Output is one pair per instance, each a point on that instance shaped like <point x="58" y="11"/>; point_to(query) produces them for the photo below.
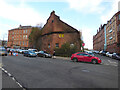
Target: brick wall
<point x="58" y="32"/>
<point x="19" y="37"/>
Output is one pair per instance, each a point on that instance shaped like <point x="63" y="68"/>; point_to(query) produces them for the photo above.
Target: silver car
<point x="3" y="51"/>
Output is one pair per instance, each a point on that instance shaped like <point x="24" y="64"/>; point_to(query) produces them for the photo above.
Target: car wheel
<point x="94" y="61"/>
<point x="75" y="60"/>
<point x="44" y="56"/>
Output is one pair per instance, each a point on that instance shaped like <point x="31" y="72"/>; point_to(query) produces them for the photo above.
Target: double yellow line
<point x="1" y="65"/>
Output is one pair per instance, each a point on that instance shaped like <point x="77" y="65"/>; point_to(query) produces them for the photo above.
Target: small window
<point x="59" y="35"/>
<point x="23" y="42"/>
<point x="119" y="28"/>
<point x="48" y="45"/>
<point x="26" y="36"/>
<point x="110" y="38"/>
<point x="62" y="35"/>
<point x="24" y="31"/>
<point x="110" y="31"/>
<point x="119" y="16"/>
<point x="57" y="45"/>
<point x="52" y="21"/>
<point x="110" y="21"/>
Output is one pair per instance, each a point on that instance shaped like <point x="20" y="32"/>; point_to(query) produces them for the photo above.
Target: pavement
<point x="5" y="80"/>
<point x="64" y="58"/>
<point x="61" y="72"/>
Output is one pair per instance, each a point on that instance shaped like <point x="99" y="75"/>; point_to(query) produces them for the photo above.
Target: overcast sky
<point x="84" y="15"/>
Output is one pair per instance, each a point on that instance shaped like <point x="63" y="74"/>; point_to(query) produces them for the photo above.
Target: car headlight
<point x="47" y="54"/>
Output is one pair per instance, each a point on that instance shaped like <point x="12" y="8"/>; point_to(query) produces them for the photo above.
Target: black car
<point x="103" y="53"/>
<point x="29" y="54"/>
<point x="116" y="56"/>
<point x="44" y="54"/>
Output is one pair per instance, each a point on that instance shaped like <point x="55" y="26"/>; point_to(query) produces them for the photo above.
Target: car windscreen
<point x="118" y="54"/>
<point x="2" y="49"/>
<point x="31" y="52"/>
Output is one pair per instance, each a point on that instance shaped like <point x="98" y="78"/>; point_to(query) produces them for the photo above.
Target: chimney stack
<point x="53" y="12"/>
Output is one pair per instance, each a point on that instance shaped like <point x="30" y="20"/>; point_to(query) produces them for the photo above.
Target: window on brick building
<point x="119" y="17"/>
<point x="48" y="45"/>
<point x="26" y="36"/>
<point x="23" y="42"/>
<point x="57" y="45"/>
<point x="119" y="27"/>
<point x="110" y="38"/>
<point x="52" y="21"/>
<point x="113" y="26"/>
<point x="24" y="31"/>
<point x="110" y="21"/>
<point x="110" y="30"/>
<point x="113" y="33"/>
<point x="61" y="35"/>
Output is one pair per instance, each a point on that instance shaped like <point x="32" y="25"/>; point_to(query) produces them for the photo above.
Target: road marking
<point x="111" y="62"/>
<point x="1" y="65"/>
<point x="84" y="70"/>
<point x="13" y="78"/>
<point x="107" y="64"/>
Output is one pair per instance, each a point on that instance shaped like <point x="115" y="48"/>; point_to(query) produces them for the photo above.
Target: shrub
<point x="66" y="50"/>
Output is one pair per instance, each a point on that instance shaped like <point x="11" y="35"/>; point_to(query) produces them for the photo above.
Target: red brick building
<point x="112" y="36"/>
<point x="113" y="29"/>
<point x="57" y="32"/>
<point x="19" y="37"/>
<point x="99" y="39"/>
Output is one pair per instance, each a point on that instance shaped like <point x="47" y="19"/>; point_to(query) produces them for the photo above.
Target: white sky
<point x="24" y="14"/>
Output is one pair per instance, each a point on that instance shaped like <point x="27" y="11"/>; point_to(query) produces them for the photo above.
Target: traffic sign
<point x="83" y="44"/>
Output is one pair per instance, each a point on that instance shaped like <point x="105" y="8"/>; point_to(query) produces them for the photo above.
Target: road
<point x="58" y="73"/>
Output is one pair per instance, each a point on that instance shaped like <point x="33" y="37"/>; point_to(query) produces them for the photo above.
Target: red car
<point x="81" y="56"/>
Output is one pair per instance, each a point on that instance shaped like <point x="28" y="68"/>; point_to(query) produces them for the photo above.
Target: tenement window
<point x="119" y="28"/>
<point x="119" y="16"/>
<point x="57" y="45"/>
<point x="48" y="45"/>
<point x="52" y="21"/>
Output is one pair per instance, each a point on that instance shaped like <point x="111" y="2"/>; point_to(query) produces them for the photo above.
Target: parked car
<point x="3" y="51"/>
<point x="100" y="52"/>
<point x="29" y="54"/>
<point x="85" y="57"/>
<point x="35" y="50"/>
<point x="103" y="53"/>
<point x="116" y="56"/>
<point x="97" y="52"/>
<point x="109" y="54"/>
<point x="44" y="54"/>
<point x="12" y="50"/>
<point x="90" y="52"/>
<point x="23" y="51"/>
